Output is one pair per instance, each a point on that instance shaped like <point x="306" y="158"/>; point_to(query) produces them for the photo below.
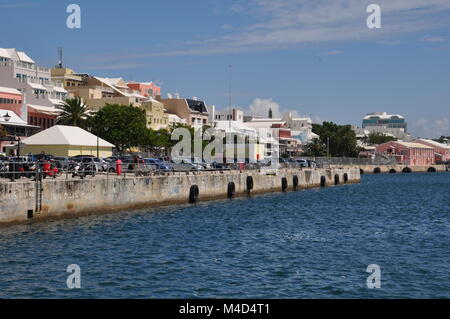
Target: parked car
<point x="157" y="163"/>
<point x="303" y="162"/>
<point x="100" y="166"/>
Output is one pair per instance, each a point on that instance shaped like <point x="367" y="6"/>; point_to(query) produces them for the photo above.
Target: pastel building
<point x="61" y="140"/>
<point x="155" y="113"/>
<point x="194" y="111"/>
<point x="12" y="129"/>
<point x="408" y="153"/>
<point x="11" y="99"/>
<point x="147" y="89"/>
<point x="441" y="151"/>
<point x="40" y="94"/>
<point x="96" y="92"/>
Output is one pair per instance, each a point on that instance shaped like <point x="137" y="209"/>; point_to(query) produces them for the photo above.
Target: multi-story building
<point x="13" y="129"/>
<point x="155" y="113"/>
<point x="193" y="111"/>
<point x="389" y="124"/>
<point x="40" y="94"/>
<point x="232" y="114"/>
<point x="96" y="92"/>
<point x="66" y="77"/>
<point x="11" y="99"/>
<point x="441" y="151"/>
<point x="408" y="153"/>
<point x="147" y="89"/>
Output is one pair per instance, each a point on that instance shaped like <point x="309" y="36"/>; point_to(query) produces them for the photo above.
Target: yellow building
<point x="60" y="140"/>
<point x="157" y="118"/>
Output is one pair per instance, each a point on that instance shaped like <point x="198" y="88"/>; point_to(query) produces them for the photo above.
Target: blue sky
<point x="315" y="58"/>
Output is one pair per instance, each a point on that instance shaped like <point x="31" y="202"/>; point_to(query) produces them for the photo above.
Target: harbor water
<point x="313" y="243"/>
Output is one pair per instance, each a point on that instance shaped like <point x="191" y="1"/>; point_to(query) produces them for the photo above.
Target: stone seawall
<point x="75" y="197"/>
<point x="392" y="169"/>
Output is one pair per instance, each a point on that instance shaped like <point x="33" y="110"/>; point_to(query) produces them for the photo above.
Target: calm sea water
<point x="306" y="244"/>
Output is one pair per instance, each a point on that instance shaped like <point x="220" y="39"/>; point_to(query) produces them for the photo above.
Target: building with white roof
<point x="407" y="153"/>
<point x="383" y="123"/>
<point x="97" y="91"/>
<point x="18" y="71"/>
<point x="12" y="129"/>
<point x="441" y="150"/>
<point x="60" y="140"/>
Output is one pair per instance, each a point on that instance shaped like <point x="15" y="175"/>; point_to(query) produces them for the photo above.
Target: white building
<point x="40" y="94"/>
<point x="228" y="114"/>
<point x="383" y="123"/>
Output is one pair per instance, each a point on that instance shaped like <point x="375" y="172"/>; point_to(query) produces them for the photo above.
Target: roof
<point x="14" y="117"/>
<point x="24" y="57"/>
<point x="413" y="145"/>
<point x="382" y="115"/>
<point x="37" y="86"/>
<point x="434" y="143"/>
<point x="4" y="53"/>
<point x="65" y="135"/>
<point x="197" y="105"/>
<point x="45" y="109"/>
<point x="9" y="90"/>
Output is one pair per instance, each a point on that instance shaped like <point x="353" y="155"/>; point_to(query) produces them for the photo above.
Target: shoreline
<point x="74" y="198"/>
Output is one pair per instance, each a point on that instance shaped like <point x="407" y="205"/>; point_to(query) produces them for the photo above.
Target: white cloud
<point x="427" y="128"/>
<point x="284" y="24"/>
<point x="261" y="107"/>
<point x="433" y="39"/>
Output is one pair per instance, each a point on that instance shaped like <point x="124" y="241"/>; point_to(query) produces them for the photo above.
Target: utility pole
<point x="328" y="147"/>
<point x="229" y="102"/>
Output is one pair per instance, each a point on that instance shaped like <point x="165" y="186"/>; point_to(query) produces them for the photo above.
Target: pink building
<point x="408" y="153"/>
<point x="441" y="151"/>
<point x="147" y="89"/>
<point x="11" y="99"/>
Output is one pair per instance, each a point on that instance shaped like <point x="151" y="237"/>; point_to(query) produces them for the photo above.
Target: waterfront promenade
<point x="25" y="200"/>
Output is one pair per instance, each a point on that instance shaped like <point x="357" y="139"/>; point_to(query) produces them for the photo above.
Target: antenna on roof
<point x="60" y="57"/>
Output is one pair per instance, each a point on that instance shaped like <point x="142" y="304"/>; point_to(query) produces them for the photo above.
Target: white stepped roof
<point x="14" y="117"/>
<point x="24" y="57"/>
<point x="65" y="135"/>
<point x="434" y="143"/>
<point x="4" y="53"/>
<point x="9" y="90"/>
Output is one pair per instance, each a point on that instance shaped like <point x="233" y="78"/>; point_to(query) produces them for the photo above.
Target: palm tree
<point x="74" y="113"/>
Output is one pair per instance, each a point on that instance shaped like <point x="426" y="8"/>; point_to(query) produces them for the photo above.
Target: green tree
<point x="74" y="113"/>
<point x="340" y="138"/>
<point x="315" y="149"/>
<point x="123" y="126"/>
<point x="379" y="138"/>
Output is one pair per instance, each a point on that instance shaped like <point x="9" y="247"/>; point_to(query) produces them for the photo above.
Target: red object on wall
<point x="119" y="167"/>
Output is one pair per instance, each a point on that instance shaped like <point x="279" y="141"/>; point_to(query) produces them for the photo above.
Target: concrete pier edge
<point x="76" y="197"/>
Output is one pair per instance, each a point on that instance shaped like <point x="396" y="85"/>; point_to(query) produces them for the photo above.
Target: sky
<point x="311" y="57"/>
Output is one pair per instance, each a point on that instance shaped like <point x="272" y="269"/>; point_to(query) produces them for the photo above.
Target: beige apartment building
<point x="96" y="91"/>
<point x="193" y="111"/>
<point x="155" y="113"/>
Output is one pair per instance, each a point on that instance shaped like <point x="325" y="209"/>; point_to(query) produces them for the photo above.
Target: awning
<point x="59" y="89"/>
<point x="10" y="90"/>
<point x="56" y="102"/>
<point x="37" y="86"/>
<point x="45" y="109"/>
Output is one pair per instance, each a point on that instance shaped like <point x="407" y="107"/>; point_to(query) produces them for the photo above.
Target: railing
<point x="35" y="171"/>
<point x="327" y="161"/>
